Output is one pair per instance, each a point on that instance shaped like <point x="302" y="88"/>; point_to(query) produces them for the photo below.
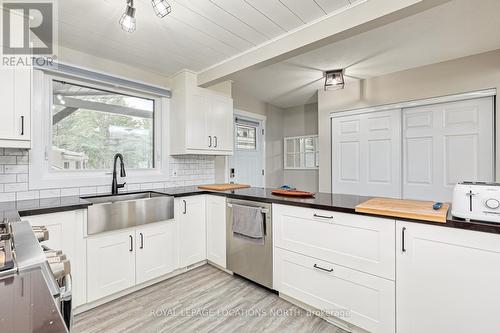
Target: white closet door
<point x="444" y="144"/>
<point x="366" y="154"/>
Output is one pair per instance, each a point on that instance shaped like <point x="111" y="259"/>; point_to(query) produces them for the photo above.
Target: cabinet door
<point x="216" y="230"/>
<point x="447" y="280"/>
<point x="190" y="214"/>
<point x="66" y="233"/>
<point x="155" y="250"/>
<point x="110" y="263"/>
<point x="220" y="123"/>
<point x="198" y="108"/>
<point x="15" y="93"/>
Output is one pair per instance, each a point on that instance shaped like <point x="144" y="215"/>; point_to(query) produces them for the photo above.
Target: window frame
<point x="42" y="176"/>
<point x="256" y="128"/>
<point x="299" y="152"/>
<point x="121" y="92"/>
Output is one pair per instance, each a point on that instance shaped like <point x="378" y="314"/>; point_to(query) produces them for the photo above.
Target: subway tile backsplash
<point x="14" y="180"/>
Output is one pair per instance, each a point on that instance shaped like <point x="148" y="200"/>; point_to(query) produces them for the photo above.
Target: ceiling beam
<point x="363" y="16"/>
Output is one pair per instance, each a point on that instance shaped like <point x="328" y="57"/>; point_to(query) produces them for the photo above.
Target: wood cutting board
<point x="223" y="187"/>
<point x="412" y="209"/>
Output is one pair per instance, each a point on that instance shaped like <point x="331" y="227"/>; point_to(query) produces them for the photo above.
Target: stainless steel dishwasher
<point x="246" y="258"/>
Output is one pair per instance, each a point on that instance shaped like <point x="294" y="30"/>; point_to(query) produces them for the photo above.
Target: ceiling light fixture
<point x="127" y="21"/>
<point x="334" y="80"/>
<point x="162" y="7"/>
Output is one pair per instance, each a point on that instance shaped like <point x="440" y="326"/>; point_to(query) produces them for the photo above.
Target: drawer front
<point x="359" y="242"/>
<point x="360" y="299"/>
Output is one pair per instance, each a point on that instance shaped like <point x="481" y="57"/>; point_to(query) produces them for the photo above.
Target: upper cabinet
<point x="201" y="120"/>
<point x="15" y="94"/>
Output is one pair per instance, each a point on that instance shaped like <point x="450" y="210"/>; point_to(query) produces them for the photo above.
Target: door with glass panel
<point x="246" y="166"/>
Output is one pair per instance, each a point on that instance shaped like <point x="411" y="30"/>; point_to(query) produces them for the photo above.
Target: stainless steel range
<point x="21" y="252"/>
<point x="6" y="256"/>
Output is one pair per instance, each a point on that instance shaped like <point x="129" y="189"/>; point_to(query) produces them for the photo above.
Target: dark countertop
<point x="325" y="201"/>
<point x="27" y="305"/>
<point x="344" y="203"/>
<point x="42" y="206"/>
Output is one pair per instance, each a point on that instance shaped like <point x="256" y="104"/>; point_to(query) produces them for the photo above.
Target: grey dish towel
<point x="248" y="223"/>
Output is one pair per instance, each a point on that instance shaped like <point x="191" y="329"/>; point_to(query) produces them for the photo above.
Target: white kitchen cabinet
<point x="447" y="280"/>
<point x="155" y="250"/>
<point x="201" y="120"/>
<point x="15" y="118"/>
<point x="110" y="263"/>
<point x="366" y="150"/>
<point x="66" y="233"/>
<point x="216" y="230"/>
<point x="190" y="214"/>
<point x="359" y="242"/>
<point x="119" y="260"/>
<point x="357" y="298"/>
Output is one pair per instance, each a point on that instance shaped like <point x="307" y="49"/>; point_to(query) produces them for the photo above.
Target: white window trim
<point x="285" y="153"/>
<point x="40" y="174"/>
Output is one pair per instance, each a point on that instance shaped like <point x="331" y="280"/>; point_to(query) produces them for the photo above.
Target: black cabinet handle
<point x="185" y="207"/>
<point x="22" y="125"/>
<point x="131" y="243"/>
<point x="323" y="217"/>
<point x="403" y="233"/>
<point x="142" y="240"/>
<point x="323" y="269"/>
<point x="209" y="141"/>
<point x="216" y="142"/>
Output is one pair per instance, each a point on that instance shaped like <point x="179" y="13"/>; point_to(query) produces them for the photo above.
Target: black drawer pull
<point x="323" y="216"/>
<point x="323" y="269"/>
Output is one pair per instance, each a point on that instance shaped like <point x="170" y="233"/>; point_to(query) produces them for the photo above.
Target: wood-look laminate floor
<point x="202" y="300"/>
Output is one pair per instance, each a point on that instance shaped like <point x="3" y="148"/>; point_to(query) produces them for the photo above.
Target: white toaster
<point x="477" y="201"/>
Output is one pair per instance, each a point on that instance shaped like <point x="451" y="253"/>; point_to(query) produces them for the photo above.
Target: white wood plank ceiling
<point x="196" y="35"/>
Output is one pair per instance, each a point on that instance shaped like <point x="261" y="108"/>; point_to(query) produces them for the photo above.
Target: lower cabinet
<point x="110" y="263"/>
<point x="216" y="230"/>
<point x="447" y="280"/>
<point x="190" y="215"/>
<point x="155" y="251"/>
<point x="120" y="260"/>
<point x="66" y="233"/>
<point x="357" y="298"/>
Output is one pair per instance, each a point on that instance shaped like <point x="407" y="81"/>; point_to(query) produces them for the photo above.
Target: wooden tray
<point x="294" y="193"/>
<point x="411" y="209"/>
<point x="223" y="187"/>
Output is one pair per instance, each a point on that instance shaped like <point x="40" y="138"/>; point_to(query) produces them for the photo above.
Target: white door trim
<point x="418" y="102"/>
<point x="259" y="118"/>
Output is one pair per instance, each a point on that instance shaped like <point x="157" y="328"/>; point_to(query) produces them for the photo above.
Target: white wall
<point x="451" y="77"/>
<point x="298" y="121"/>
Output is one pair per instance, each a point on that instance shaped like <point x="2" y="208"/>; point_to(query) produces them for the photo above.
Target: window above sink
<point x="85" y="123"/>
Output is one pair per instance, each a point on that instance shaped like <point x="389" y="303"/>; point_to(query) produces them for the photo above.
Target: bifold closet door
<point x="444" y="144"/>
<point x="366" y="154"/>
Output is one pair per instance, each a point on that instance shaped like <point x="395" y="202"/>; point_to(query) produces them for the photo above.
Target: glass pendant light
<point x="127" y="21"/>
<point x="162" y="7"/>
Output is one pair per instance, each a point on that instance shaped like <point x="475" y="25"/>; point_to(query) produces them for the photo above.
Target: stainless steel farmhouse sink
<point x="115" y="212"/>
